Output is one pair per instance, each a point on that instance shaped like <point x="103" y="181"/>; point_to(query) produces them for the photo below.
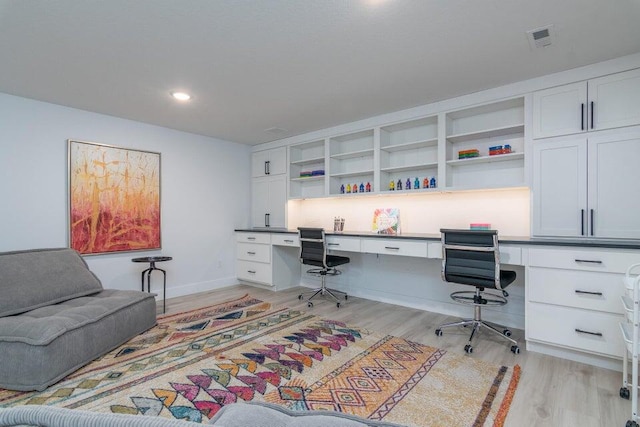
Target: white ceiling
<point x="299" y="65"/>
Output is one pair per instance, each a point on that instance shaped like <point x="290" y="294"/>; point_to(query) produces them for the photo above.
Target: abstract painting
<point x="114" y="198"/>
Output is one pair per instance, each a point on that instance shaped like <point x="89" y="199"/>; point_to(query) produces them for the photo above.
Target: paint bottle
<point x="432" y="182"/>
<point x="348" y="188"/>
<point x="392" y="186"/>
<point x="362" y="187"/>
<point x="342" y="189"/>
<point x="407" y="185"/>
<point x="368" y="188"/>
<point x="354" y="188"/>
<point x="399" y="185"/>
<point x="425" y="183"/>
<point x="416" y="183"/>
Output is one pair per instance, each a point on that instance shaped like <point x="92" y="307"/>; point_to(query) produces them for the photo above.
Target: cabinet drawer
<point x="339" y="243"/>
<point x="562" y="326"/>
<point x="254" y="237"/>
<point x="583" y="259"/>
<point x="395" y="247"/>
<point x="285" y="240"/>
<point x="508" y="254"/>
<point x="253" y="252"/>
<point x="579" y="289"/>
<point x="254" y="272"/>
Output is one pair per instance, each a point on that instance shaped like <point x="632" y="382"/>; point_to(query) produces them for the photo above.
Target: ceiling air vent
<point x="541" y="37"/>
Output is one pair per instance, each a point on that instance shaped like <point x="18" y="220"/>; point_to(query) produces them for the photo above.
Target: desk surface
<point x="516" y="240"/>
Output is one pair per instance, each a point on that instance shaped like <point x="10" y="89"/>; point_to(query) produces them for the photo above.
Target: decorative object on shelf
<point x="432" y="182"/>
<point x="468" y="154"/>
<point x="399" y="185"/>
<point x="305" y="174"/>
<point x="114" y="198"/>
<point x="479" y="226"/>
<point x="362" y="187"/>
<point x="368" y="188"/>
<point x="425" y="182"/>
<point x="319" y="172"/>
<point x="416" y="183"/>
<point x="386" y="221"/>
<point x="342" y="189"/>
<point x="338" y="224"/>
<point x="348" y="188"/>
<point x="499" y="149"/>
<point x="392" y="185"/>
<point x="407" y="185"/>
<point x="354" y="189"/>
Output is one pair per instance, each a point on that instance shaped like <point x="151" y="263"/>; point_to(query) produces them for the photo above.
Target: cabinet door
<point x="277" y="161"/>
<point x="614" y="186"/>
<point x="560" y="188"/>
<point x="259" y="163"/>
<point x="615" y="100"/>
<point x="277" y="203"/>
<point x="560" y="110"/>
<point x="259" y="201"/>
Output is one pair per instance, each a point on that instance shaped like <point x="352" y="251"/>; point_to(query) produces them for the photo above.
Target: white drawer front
<point x="254" y="272"/>
<point x="580" y="289"/>
<point x="254" y="237"/>
<point x="285" y="240"/>
<point x="253" y="252"/>
<point x="584" y="259"/>
<point x="395" y="247"/>
<point x="575" y="328"/>
<point x="340" y="243"/>
<point x="508" y="254"/>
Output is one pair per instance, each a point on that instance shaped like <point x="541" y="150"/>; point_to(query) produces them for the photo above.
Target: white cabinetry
<point x="269" y="162"/>
<point x="573" y="298"/>
<point x="587" y="186"/>
<point x="603" y="103"/>
<point x="480" y="128"/>
<point x="269" y="203"/>
<point x="268" y="259"/>
<point x="305" y="159"/>
<point x="351" y="161"/>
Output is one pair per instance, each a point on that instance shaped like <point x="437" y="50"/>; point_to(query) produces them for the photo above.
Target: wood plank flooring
<point x="552" y="391"/>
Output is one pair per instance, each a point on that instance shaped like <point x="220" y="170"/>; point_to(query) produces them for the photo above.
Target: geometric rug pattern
<point x="192" y="364"/>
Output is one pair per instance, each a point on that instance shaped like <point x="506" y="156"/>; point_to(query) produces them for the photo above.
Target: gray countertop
<point x="521" y="240"/>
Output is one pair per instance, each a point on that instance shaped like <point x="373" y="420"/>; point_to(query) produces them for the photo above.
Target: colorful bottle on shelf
<point x="407" y="185"/>
<point x="399" y="185"/>
<point x="425" y="182"/>
<point x="348" y="188"/>
<point x="342" y="189"/>
<point x="432" y="182"/>
<point x="416" y="183"/>
<point x="392" y="186"/>
<point x="362" y="187"/>
<point x="368" y="188"/>
<point x="354" y="189"/>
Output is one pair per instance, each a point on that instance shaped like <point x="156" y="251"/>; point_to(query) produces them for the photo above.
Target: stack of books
<point x="467" y="154"/>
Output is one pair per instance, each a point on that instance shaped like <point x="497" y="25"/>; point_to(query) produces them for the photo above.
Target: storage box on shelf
<point x="482" y="127"/>
<point x="602" y="103"/>
<point x="409" y="150"/>
<point x="307" y="170"/>
<point x="351" y="160"/>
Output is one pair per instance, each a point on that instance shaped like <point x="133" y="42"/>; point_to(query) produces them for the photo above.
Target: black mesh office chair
<point x="313" y="251"/>
<point x="472" y="257"/>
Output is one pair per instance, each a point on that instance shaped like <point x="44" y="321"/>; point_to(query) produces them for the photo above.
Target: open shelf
<point x="354" y="173"/>
<point x="411" y="145"/>
<point x="486" y="159"/>
<point x="410" y="167"/>
<point x="353" y="154"/>
<point x="308" y="178"/>
<point x="308" y="161"/>
<point x="487" y="133"/>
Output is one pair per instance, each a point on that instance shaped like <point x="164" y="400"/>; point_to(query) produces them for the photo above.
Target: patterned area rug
<point x="193" y="363"/>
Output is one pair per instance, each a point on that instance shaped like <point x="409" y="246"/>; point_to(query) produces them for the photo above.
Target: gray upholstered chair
<point x="472" y="257"/>
<point x="313" y="251"/>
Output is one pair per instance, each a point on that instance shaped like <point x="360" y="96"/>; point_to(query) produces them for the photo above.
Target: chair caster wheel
<point x="300" y="297"/>
<point x="346" y="296"/>
<point x="438" y="332"/>
<point x="338" y="304"/>
<point x="624" y="393"/>
<point x="515" y="349"/>
<point x="309" y="304"/>
<point x="468" y="349"/>
<point x="631" y="423"/>
<point x="506" y="333"/>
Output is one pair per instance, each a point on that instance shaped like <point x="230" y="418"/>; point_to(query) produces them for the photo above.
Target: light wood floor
<point x="552" y="391"/>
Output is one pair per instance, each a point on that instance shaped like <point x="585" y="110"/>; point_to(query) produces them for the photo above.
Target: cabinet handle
<point x="266" y="220"/>
<point x="251" y="271"/>
<point x="580" y="331"/>
<point x="582" y="116"/>
<point x="251" y="238"/>
<point x="582" y="221"/>
<point x="392" y="247"/>
<point x="592" y="215"/>
<point x="267" y="167"/>
<point x="253" y="253"/>
<point x="592" y="108"/>
<point x="333" y="244"/>
<point x="578" y="291"/>
<point x="590" y="261"/>
<point x="288" y="241"/>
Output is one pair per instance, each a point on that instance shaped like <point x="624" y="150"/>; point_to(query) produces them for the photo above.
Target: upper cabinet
<point x="269" y="162"/>
<point x="484" y="146"/>
<point x="603" y="103"/>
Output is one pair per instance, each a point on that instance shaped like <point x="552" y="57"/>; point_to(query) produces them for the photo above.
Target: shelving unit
<point x="309" y="156"/>
<point x="481" y="127"/>
<point x="351" y="160"/>
<point x="409" y="150"/>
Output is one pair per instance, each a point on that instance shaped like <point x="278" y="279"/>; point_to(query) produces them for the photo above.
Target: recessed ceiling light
<point x="181" y="96"/>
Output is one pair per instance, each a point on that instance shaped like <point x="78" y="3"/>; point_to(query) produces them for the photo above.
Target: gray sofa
<point x="55" y="317"/>
<point x="234" y="415"/>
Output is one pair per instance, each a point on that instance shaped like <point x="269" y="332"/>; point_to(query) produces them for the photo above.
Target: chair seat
<point x="506" y="278"/>
<point x="332" y="261"/>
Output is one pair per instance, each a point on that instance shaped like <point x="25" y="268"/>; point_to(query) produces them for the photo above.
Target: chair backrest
<point x="313" y="250"/>
<point x="471" y="257"/>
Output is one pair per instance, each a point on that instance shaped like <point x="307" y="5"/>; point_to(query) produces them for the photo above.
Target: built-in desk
<point x="566" y="296"/>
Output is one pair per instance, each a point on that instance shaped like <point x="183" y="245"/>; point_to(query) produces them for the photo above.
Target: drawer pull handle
<point x="251" y="272"/>
<point x="590" y="261"/>
<point x="578" y="291"/>
<point x="251" y="238"/>
<point x="253" y="253"/>
<point x="333" y="244"/>
<point x="580" y="331"/>
<point x="288" y="241"/>
<point x="392" y="247"/>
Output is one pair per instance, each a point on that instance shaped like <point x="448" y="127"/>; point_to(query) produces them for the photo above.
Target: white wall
<point x="205" y="192"/>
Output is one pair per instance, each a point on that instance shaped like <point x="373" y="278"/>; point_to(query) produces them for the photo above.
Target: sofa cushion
<point x="36" y="278"/>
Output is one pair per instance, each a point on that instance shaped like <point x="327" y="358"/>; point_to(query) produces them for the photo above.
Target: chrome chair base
<point x="323" y="290"/>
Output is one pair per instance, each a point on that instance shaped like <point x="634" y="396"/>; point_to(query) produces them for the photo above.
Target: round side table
<point x="152" y="266"/>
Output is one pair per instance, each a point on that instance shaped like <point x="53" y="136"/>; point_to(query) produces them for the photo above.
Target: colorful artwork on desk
<point x="114" y="198"/>
<point x="386" y="221"/>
